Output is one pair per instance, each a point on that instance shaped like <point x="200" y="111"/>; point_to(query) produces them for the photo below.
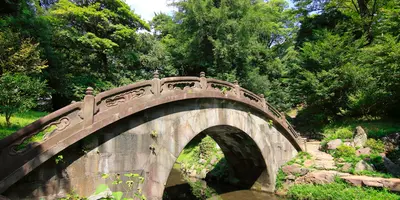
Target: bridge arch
<point x="178" y="114"/>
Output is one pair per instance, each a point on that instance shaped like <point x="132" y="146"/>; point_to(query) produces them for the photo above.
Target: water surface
<point x="178" y="187"/>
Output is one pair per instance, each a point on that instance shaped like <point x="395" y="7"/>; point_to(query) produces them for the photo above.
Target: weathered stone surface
<point x="214" y="159"/>
<point x="362" y="165"/>
<point x="101" y="195"/>
<point x="346" y="167"/>
<point x="294" y="169"/>
<point x="322" y="160"/>
<point x="393" y="138"/>
<point x="392" y="184"/>
<point x="363" y="151"/>
<point x="334" y="144"/>
<point x="350" y="144"/>
<point x="290" y="177"/>
<point x="320" y="177"/>
<point x="391" y="167"/>
<point x="359" y="137"/>
<point x="124" y="147"/>
<point x="203" y="173"/>
<point x="308" y="163"/>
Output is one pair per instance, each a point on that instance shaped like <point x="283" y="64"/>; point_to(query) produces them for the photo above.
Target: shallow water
<point x="178" y="187"/>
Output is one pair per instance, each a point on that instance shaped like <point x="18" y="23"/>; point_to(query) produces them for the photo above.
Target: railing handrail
<point x="41" y="123"/>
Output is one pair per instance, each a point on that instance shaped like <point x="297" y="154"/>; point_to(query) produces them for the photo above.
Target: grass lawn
<point x="338" y="191"/>
<point x="18" y="121"/>
<point x="374" y="128"/>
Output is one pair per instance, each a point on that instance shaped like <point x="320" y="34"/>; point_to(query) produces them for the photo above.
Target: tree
<point x="231" y="40"/>
<point x="20" y="65"/>
<point x="94" y="43"/>
<point x="19" y="55"/>
<point x="19" y="93"/>
<point x="347" y="51"/>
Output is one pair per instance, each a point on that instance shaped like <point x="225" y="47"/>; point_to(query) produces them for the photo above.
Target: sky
<point x="147" y="8"/>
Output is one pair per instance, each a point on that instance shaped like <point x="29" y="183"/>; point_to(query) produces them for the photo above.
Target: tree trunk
<point x="8" y="117"/>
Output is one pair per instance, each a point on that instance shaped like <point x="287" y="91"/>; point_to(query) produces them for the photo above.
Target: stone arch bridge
<point x="113" y="132"/>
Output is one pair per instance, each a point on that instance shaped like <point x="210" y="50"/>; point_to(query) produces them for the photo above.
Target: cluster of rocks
<point x="359" y="140"/>
<point x="205" y="168"/>
<point x="322" y="168"/>
<point x="297" y="174"/>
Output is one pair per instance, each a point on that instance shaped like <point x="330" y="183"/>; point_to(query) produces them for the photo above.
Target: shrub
<point x="344" y="151"/>
<point x="343" y="133"/>
<point x="377" y="146"/>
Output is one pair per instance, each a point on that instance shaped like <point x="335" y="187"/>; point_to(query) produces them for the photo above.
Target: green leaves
<point x="19" y="93"/>
<point x="101" y="188"/>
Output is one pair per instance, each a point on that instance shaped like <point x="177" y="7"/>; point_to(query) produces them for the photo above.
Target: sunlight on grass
<point x="374" y="128"/>
<point x="19" y="121"/>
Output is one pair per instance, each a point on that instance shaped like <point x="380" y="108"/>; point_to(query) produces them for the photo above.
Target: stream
<point x="178" y="187"/>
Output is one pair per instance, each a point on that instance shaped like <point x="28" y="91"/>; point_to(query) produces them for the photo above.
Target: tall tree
<point x="232" y="40"/>
<point x="94" y="44"/>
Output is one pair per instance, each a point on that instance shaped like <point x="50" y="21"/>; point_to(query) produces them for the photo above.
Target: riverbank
<point x="315" y="175"/>
<point x="180" y="186"/>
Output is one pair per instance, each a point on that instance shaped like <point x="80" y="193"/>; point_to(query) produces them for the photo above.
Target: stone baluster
<point x="237" y="88"/>
<point x="203" y="80"/>
<point x="263" y="103"/>
<point x="88" y="107"/>
<point x="156" y="83"/>
<point x="284" y="122"/>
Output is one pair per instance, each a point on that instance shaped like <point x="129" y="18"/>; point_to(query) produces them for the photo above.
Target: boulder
<point x="346" y="167"/>
<point x="290" y="177"/>
<point x="350" y="144"/>
<point x="391" y="141"/>
<point x="320" y="177"/>
<point x="294" y="169"/>
<point x="391" y="167"/>
<point x="392" y="184"/>
<point x="362" y="165"/>
<point x="363" y="151"/>
<point x="359" y="137"/>
<point x="393" y="138"/>
<point x="334" y="144"/>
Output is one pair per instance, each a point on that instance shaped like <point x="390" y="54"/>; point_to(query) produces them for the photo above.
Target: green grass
<point x="373" y="174"/>
<point x="338" y="191"/>
<point x="18" y="121"/>
<point x="374" y="128"/>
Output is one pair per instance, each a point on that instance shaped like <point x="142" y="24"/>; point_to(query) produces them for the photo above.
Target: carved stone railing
<point x="85" y="112"/>
<point x="62" y="119"/>
<point x="94" y="111"/>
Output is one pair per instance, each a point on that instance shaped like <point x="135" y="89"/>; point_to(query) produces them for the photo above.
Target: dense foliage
<point x="336" y="59"/>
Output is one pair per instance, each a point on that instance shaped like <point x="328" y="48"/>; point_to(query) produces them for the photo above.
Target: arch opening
<point x="241" y="168"/>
